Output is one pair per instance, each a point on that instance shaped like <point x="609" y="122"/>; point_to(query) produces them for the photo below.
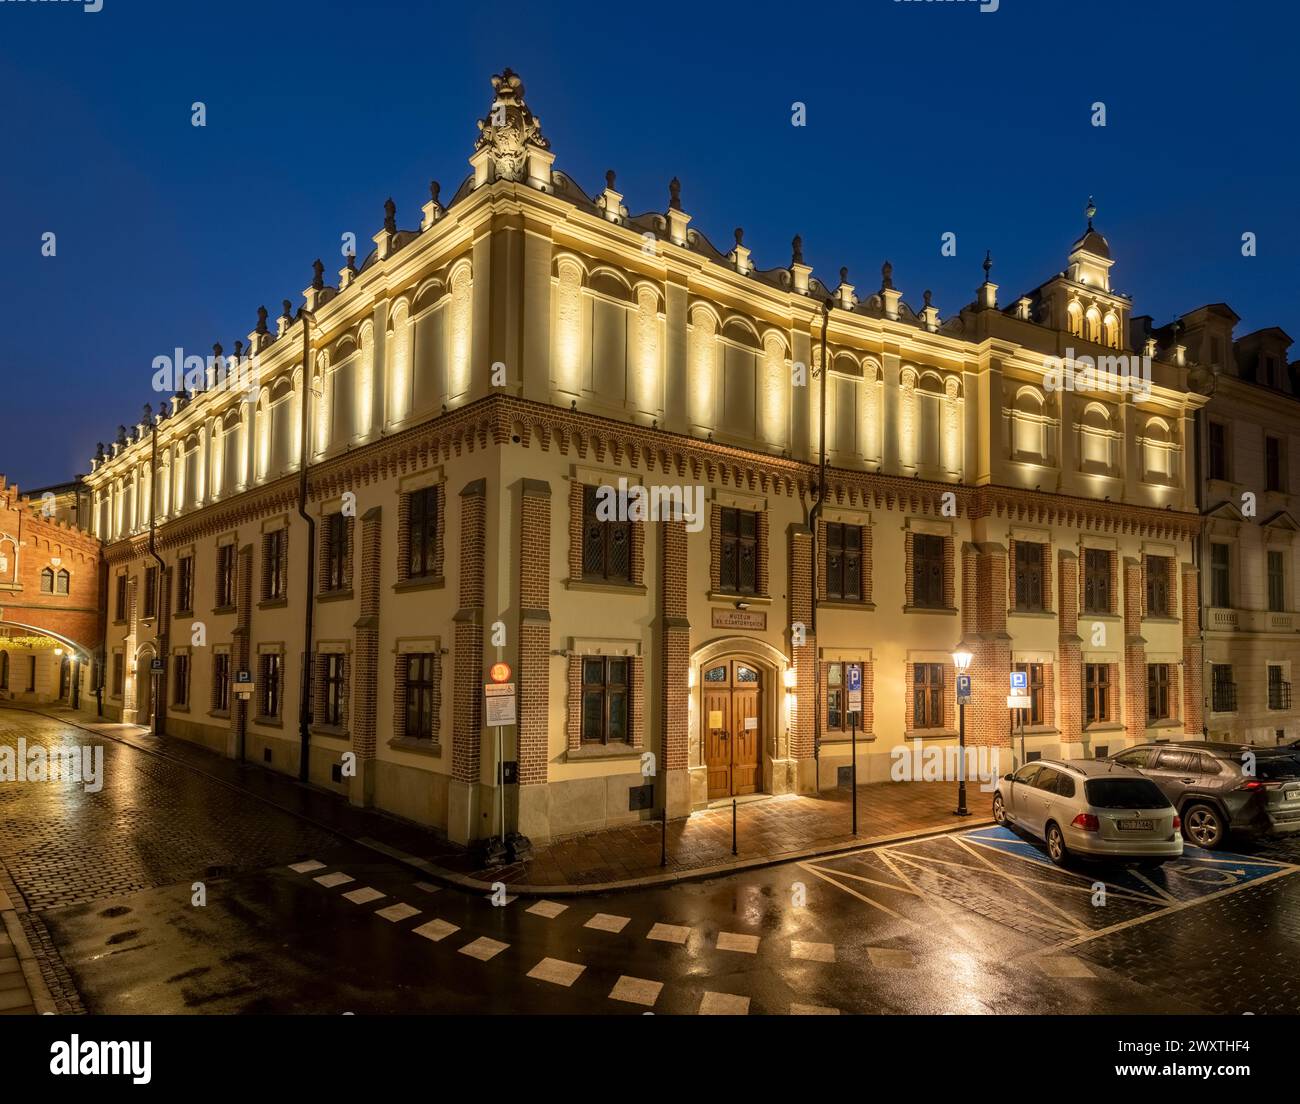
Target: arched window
<point x="62" y="581"/>
<point x="1110" y="326"/>
<point x="1074" y="318"/>
<point x="47" y="580"/>
<point x="1094" y="325"/>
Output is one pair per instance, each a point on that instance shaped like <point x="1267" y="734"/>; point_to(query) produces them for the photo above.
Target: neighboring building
<point x="49" y="604"/>
<point x="1250" y="470"/>
<point x="474" y="383"/>
<point x="66" y="502"/>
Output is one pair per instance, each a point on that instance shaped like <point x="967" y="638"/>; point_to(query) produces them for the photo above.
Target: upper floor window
<point x="1220" y="575"/>
<point x="1096" y="693"/>
<point x="150" y="591"/>
<point x="1096" y="580"/>
<point x="1157" y="692"/>
<point x="844" y="561"/>
<point x="422" y="512"/>
<point x="1218" y="450"/>
<point x="119" y="602"/>
<point x="1029" y="576"/>
<point x="274" y="565"/>
<point x="1273" y="463"/>
<point x="1157" y="572"/>
<point x="928" y="555"/>
<point x="226" y="578"/>
<point x="738" y="563"/>
<point x="1276" y="580"/>
<point x="606" y="544"/>
<point x="62" y="582"/>
<point x="185" y="584"/>
<point x="47" y="580"/>
<point x="605" y="696"/>
<point x="334" y="558"/>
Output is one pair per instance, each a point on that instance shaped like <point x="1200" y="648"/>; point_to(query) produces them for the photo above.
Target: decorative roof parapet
<point x="510" y="144"/>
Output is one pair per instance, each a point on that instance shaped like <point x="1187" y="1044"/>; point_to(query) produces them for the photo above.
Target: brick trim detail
<point x="534" y="632"/>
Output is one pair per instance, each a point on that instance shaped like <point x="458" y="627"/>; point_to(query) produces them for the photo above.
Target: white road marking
<point x="329" y="881"/>
<point x="307" y="867"/>
<point x="669" y="933"/>
<point x="634" y="990"/>
<point x="399" y="911"/>
<point x="557" y="971"/>
<point x="483" y="948"/>
<point x="548" y="909"/>
<point x="738" y="941"/>
<point x="364" y="895"/>
<point x="724" y="1004"/>
<point x="436" y="930"/>
<point x="812" y="952"/>
<point x="603" y="921"/>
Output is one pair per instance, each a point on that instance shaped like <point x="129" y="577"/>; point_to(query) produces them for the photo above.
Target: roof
<point x="1092" y="242"/>
<point x="1092" y="768"/>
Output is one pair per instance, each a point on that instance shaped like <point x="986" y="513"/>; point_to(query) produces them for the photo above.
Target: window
<point x="1036" y="712"/>
<point x="1029" y="576"/>
<point x="185" y="585"/>
<point x="1279" y="692"/>
<point x="844" y="561"/>
<point x="181" y="679"/>
<point x="335" y="689"/>
<point x="1157" y="692"/>
<point x="927" y="570"/>
<point x="927" y="695"/>
<point x="273" y="565"/>
<point x="47" y="580"/>
<point x="1272" y="463"/>
<point x="1218" y="451"/>
<point x="221" y="682"/>
<point x="150" y="591"/>
<point x="31" y="674"/>
<point x="119" y="604"/>
<point x="62" y="582"/>
<point x="1096" y="580"/>
<point x="420" y="722"/>
<point x="269" y="699"/>
<point x="604" y="699"/>
<point x="1137" y="758"/>
<point x="1220" y="576"/>
<point x="4" y="670"/>
<point x="1223" y="691"/>
<point x="335" y="555"/>
<point x="1028" y="774"/>
<point x="739" y="556"/>
<point x="422" y="512"/>
<point x="119" y="674"/>
<point x="1276" y="581"/>
<point x="835" y="697"/>
<point x="1179" y="762"/>
<point x="226" y="576"/>
<point x="1157" y="586"/>
<point x="1096" y="693"/>
<point x="606" y="545"/>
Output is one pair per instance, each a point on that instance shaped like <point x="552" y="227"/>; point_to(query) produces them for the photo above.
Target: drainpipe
<point x="160" y="639"/>
<point x="814" y="515"/>
<point x="304" y="705"/>
<point x="1198" y="430"/>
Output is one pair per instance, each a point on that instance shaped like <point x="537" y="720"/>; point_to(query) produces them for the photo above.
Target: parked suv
<point x="1089" y="807"/>
<point x="1218" y="788"/>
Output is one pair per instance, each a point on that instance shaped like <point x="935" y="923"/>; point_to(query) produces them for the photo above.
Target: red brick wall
<point x="675" y="646"/>
<point x="1135" y="656"/>
<point x="364" y="721"/>
<point x="534" y="630"/>
<point x="802" y="733"/>
<point x="1070" y="655"/>
<point x="1193" y="655"/>
<point x="467" y="697"/>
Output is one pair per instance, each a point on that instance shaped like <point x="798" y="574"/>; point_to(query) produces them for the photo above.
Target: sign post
<point x="499" y="710"/>
<point x="1019" y="699"/>
<point x="854" y="680"/>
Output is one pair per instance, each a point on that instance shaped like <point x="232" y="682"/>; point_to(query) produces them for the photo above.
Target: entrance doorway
<point x="733" y="728"/>
<point x="65" y="668"/>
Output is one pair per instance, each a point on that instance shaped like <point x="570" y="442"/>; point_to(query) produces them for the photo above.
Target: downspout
<point x="814" y="516"/>
<point x="160" y="639"/>
<point x="1198" y="558"/>
<point x="304" y="704"/>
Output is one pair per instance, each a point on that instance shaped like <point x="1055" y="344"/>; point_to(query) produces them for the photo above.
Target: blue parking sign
<point x="855" y="676"/>
<point x="1019" y="680"/>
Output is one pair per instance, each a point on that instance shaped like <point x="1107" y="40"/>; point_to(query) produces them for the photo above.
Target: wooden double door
<point x="733" y="727"/>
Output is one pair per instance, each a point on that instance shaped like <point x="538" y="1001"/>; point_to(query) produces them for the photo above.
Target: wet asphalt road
<point x="976" y="921"/>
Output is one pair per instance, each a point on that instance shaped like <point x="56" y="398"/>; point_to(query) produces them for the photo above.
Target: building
<point x="50" y="626"/>
<point x="67" y="502"/>
<point x="465" y="401"/>
<point x="1250" y="472"/>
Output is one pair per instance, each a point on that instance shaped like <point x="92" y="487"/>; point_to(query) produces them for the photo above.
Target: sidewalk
<point x="769" y="830"/>
<point x="22" y="989"/>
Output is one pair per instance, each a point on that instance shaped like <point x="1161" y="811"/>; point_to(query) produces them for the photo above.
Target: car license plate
<point x="1136" y="825"/>
<point x="1293" y="795"/>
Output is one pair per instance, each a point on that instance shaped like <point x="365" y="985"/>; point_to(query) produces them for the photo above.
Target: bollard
<point x="663" y="837"/>
<point x="733" y="826"/>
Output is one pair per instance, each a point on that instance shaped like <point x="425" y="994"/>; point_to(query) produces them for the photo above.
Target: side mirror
<point x="1008" y="777"/>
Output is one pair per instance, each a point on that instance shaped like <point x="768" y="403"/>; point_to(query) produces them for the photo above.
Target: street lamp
<point x="961" y="660"/>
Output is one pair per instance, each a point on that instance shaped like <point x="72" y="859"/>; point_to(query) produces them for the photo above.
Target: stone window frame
<point x="228" y="541"/>
<point x="755" y="504"/>
<point x="265" y="652"/>
<point x="1043" y="538"/>
<point x="270" y="529"/>
<point x="580" y="479"/>
<point x="589" y="648"/>
<point x="404" y="647"/>
<point x="214" y="694"/>
<point x="324" y="584"/>
<point x="1114" y="596"/>
<point x="926" y="527"/>
<point x="121" y="598"/>
<point x="319" y="687"/>
<point x="842" y="657"/>
<point x="1170" y="690"/>
<point x="185" y="555"/>
<point x="1171" y="604"/>
<point x="1047" y="687"/>
<point x="117" y="674"/>
<point x="149" y="585"/>
<point x="863" y="520"/>
<point x="948" y="725"/>
<point x="177" y="683"/>
<point x="436" y="478"/>
<point x="1113" y="704"/>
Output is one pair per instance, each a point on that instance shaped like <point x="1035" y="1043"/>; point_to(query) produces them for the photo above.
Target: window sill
<point x="183" y="613"/>
<point x="1099" y="613"/>
<point x="335" y="595"/>
<point x="845" y="604"/>
<point x="219" y="714"/>
<point x="1161" y="619"/>
<point x="218" y="610"/>
<point x="269" y="722"/>
<point x="1038" y="730"/>
<point x="1044" y="615"/>
<point x="273" y="603"/>
<point x="178" y="708"/>
<point x="421" y="582"/>
<point x="1166" y="723"/>
<point x="1104" y="726"/>
<point x="602" y="751"/>
<point x="946" y="611"/>
<point x="846" y="737"/>
<point x="421" y="747"/>
<point x="600" y="586"/>
<point x="931" y="734"/>
<point x="331" y="732"/>
<point x="732" y="599"/>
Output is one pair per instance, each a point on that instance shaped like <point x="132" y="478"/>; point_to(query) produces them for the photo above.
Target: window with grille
<point x="927" y="570"/>
<point x="1218" y="451"/>
<point x="150" y="591"/>
<point x="739" y="551"/>
<point x="606" y="545"/>
<point x="1272" y="464"/>
<point x="62" y="582"/>
<point x="605" y="699"/>
<point x="1096" y="580"/>
<point x="1220" y="576"/>
<point x="835" y="697"/>
<point x="1279" y="691"/>
<point x="47" y="580"/>
<point x="335" y="553"/>
<point x="927" y="695"/>
<point x="1036" y="714"/>
<point x="1096" y="693"/>
<point x="1157" y="692"/>
<point x="181" y="679"/>
<point x="420" y="723"/>
<point x="1029" y="576"/>
<point x="120" y="599"/>
<point x="1223" y="691"/>
<point x="422" y="511"/>
<point x="844" y="561"/>
<point x="1276" y="581"/>
<point x="273" y="565"/>
<point x="221" y="682"/>
<point x="269" y="691"/>
<point x="185" y="584"/>
<point x="1158" y="590"/>
<point x="335" y="689"/>
<point x="225" y="576"/>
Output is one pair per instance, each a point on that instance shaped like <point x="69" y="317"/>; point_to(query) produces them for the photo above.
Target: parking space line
<point x="854" y="893"/>
<point x="1072" y="921"/>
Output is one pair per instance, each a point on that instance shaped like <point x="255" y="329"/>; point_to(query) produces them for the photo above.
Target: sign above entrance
<point x="739" y="619"/>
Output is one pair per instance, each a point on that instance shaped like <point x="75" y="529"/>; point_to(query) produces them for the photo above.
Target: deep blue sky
<point x="922" y="118"/>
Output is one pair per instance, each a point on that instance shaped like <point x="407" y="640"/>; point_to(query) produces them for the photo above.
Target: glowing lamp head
<point x="499" y="672"/>
<point x="961" y="659"/>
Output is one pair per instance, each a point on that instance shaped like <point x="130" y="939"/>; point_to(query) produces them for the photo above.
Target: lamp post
<point x="961" y="660"/>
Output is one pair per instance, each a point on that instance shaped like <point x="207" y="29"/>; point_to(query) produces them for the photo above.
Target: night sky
<point x="922" y="118"/>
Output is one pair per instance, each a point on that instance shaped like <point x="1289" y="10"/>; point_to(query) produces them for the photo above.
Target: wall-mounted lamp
<point x="791" y="678"/>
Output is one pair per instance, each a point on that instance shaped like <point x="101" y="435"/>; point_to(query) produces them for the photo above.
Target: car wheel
<point x="999" y="810"/>
<point x="1056" y="849"/>
<point x="1203" y="826"/>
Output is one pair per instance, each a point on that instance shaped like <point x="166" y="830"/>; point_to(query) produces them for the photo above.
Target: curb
<point x="42" y="999"/>
<point x="464" y="881"/>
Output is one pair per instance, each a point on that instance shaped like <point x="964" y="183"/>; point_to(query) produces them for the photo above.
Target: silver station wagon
<point x="1090" y="808"/>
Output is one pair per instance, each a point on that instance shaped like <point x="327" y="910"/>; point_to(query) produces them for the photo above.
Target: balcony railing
<point x="1223" y="698"/>
<point x="1279" y="695"/>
